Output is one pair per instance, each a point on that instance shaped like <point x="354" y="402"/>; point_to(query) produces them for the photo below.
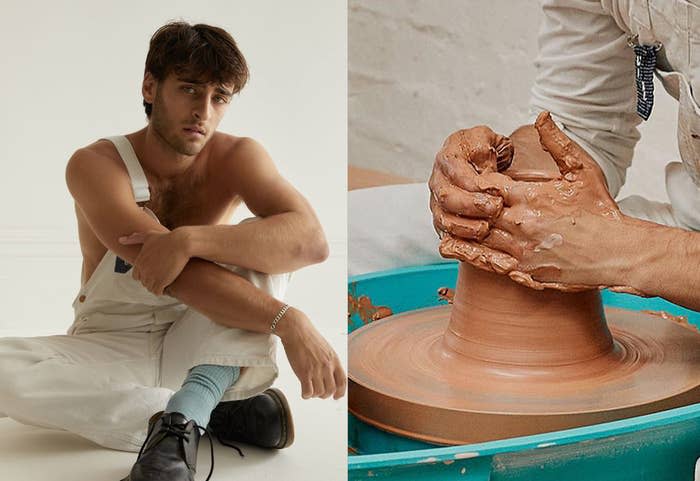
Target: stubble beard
<point x="163" y="129"/>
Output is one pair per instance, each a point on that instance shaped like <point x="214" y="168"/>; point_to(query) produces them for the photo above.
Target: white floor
<point x="36" y="293"/>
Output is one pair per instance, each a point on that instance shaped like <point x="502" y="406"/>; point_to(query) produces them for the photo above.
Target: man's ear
<point x="148" y="88"/>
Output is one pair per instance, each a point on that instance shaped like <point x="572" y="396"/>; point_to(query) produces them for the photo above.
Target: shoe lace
<point x="179" y="432"/>
<point x="205" y="431"/>
<point x="230" y="446"/>
<point x="236" y="422"/>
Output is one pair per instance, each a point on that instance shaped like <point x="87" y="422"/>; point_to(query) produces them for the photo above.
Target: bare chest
<point x="175" y="205"/>
<point x="192" y="200"/>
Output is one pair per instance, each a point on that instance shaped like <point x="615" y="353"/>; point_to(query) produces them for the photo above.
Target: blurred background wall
<point x="421" y="69"/>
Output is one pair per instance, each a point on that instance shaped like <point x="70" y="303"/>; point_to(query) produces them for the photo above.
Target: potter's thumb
<point x="565" y="152"/>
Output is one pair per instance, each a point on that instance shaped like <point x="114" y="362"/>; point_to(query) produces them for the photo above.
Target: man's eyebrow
<point x="219" y="89"/>
<point x="190" y="81"/>
<point x="222" y="90"/>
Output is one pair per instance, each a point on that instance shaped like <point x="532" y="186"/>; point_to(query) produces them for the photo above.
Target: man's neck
<point x="157" y="158"/>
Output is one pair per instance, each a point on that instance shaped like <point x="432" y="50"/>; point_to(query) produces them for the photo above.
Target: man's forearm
<point x="659" y="261"/>
<point x="232" y="301"/>
<point x="229" y="299"/>
<point x="275" y="244"/>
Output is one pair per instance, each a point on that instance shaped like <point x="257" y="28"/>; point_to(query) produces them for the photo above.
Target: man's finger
<point x="461" y="202"/>
<point x="464" y="176"/>
<point x="480" y="147"/>
<point x="525" y="280"/>
<point x="496" y="184"/>
<point x="341" y="382"/>
<point x="501" y="240"/>
<point x="528" y="281"/>
<point x="474" y="229"/>
<point x="627" y="290"/>
<point x="328" y="382"/>
<point x="319" y="384"/>
<point x="568" y="155"/>
<point x="460" y="172"/>
<point x="307" y="389"/>
<point x="477" y="255"/>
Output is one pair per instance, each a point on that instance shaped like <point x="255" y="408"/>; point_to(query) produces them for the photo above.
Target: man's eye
<point x="221" y="100"/>
<point x="189" y="90"/>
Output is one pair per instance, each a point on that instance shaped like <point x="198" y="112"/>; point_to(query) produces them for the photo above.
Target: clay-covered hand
<point x="546" y="230"/>
<point x="467" y="194"/>
<point x="312" y="359"/>
<point x="162" y="258"/>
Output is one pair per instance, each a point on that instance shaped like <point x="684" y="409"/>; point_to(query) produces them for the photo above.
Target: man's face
<point x="187" y="111"/>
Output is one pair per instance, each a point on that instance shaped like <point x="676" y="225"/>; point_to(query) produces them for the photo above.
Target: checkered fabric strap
<point x="645" y="63"/>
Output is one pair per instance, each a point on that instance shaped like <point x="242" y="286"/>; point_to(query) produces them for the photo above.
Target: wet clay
<point x="505" y="360"/>
<point x="681" y="320"/>
<point x="363" y="307"/>
<point x="446" y="294"/>
<point x="513" y="221"/>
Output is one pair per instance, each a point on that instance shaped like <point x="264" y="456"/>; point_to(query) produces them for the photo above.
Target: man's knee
<point x="273" y="284"/>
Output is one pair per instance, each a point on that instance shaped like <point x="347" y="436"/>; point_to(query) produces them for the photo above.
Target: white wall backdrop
<point x="71" y="73"/>
<point x="421" y="69"/>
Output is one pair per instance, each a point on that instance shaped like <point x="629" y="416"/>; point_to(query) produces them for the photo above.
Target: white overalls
<point x="586" y="78"/>
<point x="127" y="351"/>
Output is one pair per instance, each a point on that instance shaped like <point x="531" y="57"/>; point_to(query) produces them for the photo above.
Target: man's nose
<point x="202" y="108"/>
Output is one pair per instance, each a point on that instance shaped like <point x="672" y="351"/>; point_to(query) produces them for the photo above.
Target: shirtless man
<point x="172" y="299"/>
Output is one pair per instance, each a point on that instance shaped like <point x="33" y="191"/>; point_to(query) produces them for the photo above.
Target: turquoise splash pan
<point x="655" y="447"/>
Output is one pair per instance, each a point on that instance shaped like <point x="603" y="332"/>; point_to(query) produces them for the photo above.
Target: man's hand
<point x="468" y="194"/>
<point x="545" y="234"/>
<point x="313" y="360"/>
<point x="162" y="258"/>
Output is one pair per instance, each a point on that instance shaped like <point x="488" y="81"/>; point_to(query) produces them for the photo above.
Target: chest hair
<point x="175" y="204"/>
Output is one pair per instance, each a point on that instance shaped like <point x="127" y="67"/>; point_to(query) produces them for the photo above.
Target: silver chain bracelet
<point x="279" y="316"/>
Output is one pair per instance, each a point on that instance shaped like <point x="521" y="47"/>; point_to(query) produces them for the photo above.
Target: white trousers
<point x="105" y="384"/>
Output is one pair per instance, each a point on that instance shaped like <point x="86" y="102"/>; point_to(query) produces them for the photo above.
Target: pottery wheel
<point x="471" y="373"/>
<point x="506" y="361"/>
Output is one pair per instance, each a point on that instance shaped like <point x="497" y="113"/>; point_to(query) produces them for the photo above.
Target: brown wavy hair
<point x="202" y="51"/>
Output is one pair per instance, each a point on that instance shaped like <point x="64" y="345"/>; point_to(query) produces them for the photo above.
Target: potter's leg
<point x="201" y="392"/>
<point x="208" y="360"/>
<point x="100" y="386"/>
<point x="202" y="353"/>
<point x="195" y="340"/>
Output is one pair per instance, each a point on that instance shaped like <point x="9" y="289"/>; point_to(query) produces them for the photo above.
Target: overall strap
<point x="139" y="184"/>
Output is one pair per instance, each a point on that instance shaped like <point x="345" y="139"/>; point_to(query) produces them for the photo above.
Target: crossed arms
<point x="280" y="241"/>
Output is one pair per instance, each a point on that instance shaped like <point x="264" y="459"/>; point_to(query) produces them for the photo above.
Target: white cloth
<point x="586" y="79"/>
<point x="390" y="227"/>
<point x="127" y="351"/>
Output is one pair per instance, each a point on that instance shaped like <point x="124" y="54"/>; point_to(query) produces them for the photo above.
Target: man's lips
<point x="194" y="131"/>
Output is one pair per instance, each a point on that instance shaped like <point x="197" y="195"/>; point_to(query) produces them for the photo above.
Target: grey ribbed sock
<point x="201" y="392"/>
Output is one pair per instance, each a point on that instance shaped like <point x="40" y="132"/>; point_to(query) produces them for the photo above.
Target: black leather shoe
<point x="263" y="420"/>
<point x="170" y="450"/>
